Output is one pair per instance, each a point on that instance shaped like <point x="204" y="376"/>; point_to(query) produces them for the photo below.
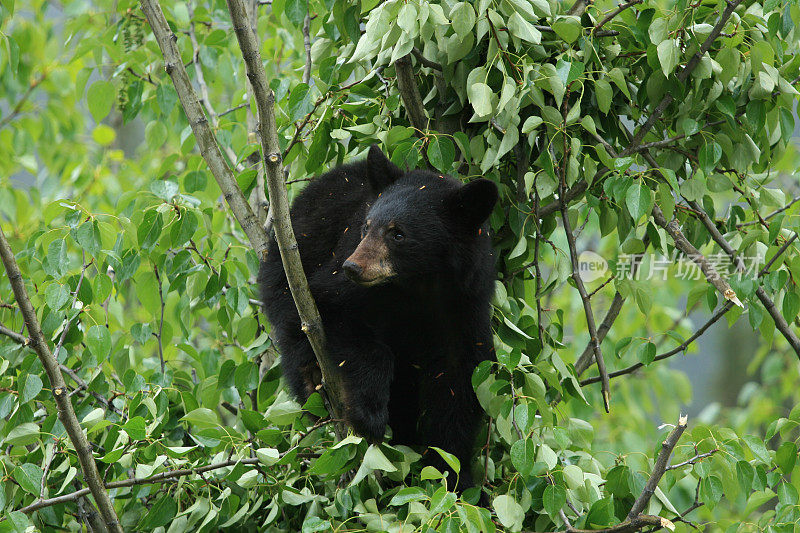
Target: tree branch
<point x="425" y="61"/>
<point x="629" y="526"/>
<point x="307" y="46"/>
<point x="587" y="304"/>
<point x="585" y="360"/>
<point x="614" y="13"/>
<point x="284" y="234"/>
<point x="658" y="470"/>
<point x="769" y="215"/>
<point x="682" y="77"/>
<point x="685" y="344"/>
<point x="24" y="98"/>
<point x="204" y="136"/>
<point x="66" y="414"/>
<point x="409" y="92"/>
<point x="683" y="244"/>
<point x="766" y="301"/>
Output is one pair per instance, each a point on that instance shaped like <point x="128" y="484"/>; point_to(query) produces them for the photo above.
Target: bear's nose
<point x="353" y="270"/>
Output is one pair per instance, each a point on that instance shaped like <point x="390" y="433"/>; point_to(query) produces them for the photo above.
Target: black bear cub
<point x="401" y="267"/>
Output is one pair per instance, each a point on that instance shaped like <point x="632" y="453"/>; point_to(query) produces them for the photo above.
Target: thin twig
<point x="24" y="98"/>
<point x="160" y="334"/>
<point x="66" y="413"/>
<point x="659" y="468"/>
<point x="766" y="301"/>
<point x="158" y="478"/>
<point x="587" y="305"/>
<point x="613" y="14"/>
<point x="708" y="269"/>
<point x="678" y="349"/>
<point x="769" y="215"/>
<point x="697" y="458"/>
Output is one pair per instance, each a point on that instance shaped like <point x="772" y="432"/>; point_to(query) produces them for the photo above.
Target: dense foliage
<point x="143" y="282"/>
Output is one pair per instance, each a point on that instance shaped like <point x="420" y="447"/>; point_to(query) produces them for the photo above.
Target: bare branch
<point x="629" y="526"/>
<point x="585" y="360"/>
<point x="284" y="234"/>
<point x="158" y="478"/>
<point x="66" y="414"/>
<point x="206" y="141"/>
<point x="682" y="76"/>
<point x="160" y="335"/>
<point x="658" y="469"/>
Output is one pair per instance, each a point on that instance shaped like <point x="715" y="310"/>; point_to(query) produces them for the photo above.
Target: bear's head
<point x="422" y="224"/>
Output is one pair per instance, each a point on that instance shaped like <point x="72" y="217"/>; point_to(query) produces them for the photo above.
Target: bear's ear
<point x="380" y="171"/>
<point x="473" y="202"/>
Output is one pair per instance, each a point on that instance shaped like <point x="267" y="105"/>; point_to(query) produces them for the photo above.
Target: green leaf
<point x="710" y="154"/>
<point x="568" y="28"/>
<point x="315" y="523"/>
<point x="786" y="456"/>
<point x="463" y="17"/>
<point x="296" y="11"/>
<point x="202" y="417"/>
<point x="135" y="428"/>
<point x="451" y="460"/>
<point x="668" y="55"/>
<point x="160" y="514"/>
<point x="480" y="96"/>
<point x="441" y="153"/>
<point x="195" y="181"/>
<point x="523" y="29"/>
<point x="603" y="93"/>
<point x="509" y="512"/>
<point x="31" y="388"/>
<point x="149" y="229"/>
<point x="98" y="340"/>
<point x="554" y="499"/>
<point x="56" y="296"/>
<point x="523" y="456"/>
<point x="300" y="103"/>
<point x="23" y="435"/>
<point x="100" y="98"/>
<point x="639" y="199"/>
<point x="164" y="189"/>
<point x="758" y="448"/>
<point x="57" y="261"/>
<point x="408" y="494"/>
<point x="29" y="476"/>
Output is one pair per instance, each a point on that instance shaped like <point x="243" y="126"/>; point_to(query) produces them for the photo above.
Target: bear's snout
<point x="369" y="264"/>
<point x="352" y="270"/>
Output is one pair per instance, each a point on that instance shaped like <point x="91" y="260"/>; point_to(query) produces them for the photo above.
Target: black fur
<point x="406" y="348"/>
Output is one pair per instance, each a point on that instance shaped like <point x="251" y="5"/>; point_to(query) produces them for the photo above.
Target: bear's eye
<point x="398" y="235"/>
